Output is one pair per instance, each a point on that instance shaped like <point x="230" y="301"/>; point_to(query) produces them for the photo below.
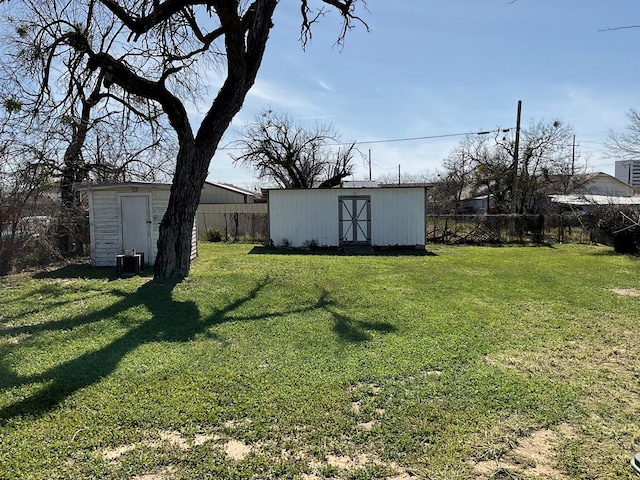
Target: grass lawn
<point x="474" y="363"/>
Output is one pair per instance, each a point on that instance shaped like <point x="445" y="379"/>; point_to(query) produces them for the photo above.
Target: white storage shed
<point x="126" y="216"/>
<point x="386" y="216"/>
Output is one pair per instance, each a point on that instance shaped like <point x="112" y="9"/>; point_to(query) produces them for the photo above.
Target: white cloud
<point x="325" y="86"/>
<point x="278" y="96"/>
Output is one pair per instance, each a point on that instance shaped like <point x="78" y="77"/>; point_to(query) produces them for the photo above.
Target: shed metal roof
<point x="109" y="186"/>
<point x="586" y="199"/>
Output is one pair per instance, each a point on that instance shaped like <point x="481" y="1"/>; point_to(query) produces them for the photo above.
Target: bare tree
<point x="422" y="177"/>
<point x="626" y="145"/>
<point x="24" y="176"/>
<point x="56" y="98"/>
<point x="460" y="167"/>
<point x="157" y="48"/>
<point x="294" y="156"/>
<point x="545" y="165"/>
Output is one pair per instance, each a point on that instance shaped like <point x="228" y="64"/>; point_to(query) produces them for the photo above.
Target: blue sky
<point x="431" y="68"/>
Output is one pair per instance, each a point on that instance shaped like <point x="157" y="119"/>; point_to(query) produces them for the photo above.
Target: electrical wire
<point x="404" y="139"/>
<point x="430" y="137"/>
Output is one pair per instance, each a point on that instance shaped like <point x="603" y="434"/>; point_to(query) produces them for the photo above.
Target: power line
<point x="430" y="137"/>
<point x="404" y="139"/>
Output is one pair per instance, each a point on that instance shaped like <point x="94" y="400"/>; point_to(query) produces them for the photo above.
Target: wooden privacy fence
<point x="236" y="221"/>
<point x="488" y="229"/>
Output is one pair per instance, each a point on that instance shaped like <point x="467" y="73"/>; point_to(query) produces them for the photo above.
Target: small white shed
<point x="385" y="216"/>
<point x="125" y="216"/>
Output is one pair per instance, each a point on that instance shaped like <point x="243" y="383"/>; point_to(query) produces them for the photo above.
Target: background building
<point x="628" y="171"/>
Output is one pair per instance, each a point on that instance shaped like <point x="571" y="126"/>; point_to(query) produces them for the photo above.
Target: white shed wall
<point x="105" y="222"/>
<point x="398" y="216"/>
<point x="303" y="215"/>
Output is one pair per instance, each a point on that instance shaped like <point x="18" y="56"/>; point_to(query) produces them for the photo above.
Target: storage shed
<point x="127" y="216"/>
<point x="224" y="193"/>
<point x="388" y="216"/>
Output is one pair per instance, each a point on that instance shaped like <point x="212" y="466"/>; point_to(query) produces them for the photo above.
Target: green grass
<point x="325" y="366"/>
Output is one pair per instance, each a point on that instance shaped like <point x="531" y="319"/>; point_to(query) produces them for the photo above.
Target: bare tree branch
<point x="294" y="156"/>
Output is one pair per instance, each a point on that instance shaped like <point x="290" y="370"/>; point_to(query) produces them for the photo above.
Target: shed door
<point x="136" y="224"/>
<point x="355" y="220"/>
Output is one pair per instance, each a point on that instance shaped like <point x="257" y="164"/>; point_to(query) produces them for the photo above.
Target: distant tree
<point x="391" y="178"/>
<point x="163" y="50"/>
<point x="476" y="165"/>
<point x="545" y="165"/>
<point x="626" y="145"/>
<point x="24" y="177"/>
<point x="294" y="156"/>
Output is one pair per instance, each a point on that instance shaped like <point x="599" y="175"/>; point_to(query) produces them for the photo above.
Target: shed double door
<point x="355" y="220"/>
<point x="135" y="213"/>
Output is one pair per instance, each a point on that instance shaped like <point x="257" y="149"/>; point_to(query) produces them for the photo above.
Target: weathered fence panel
<point x="235" y="221"/>
<point x="499" y="229"/>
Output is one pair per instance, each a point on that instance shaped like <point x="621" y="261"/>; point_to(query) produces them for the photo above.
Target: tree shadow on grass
<point x="83" y="271"/>
<point x="63" y="324"/>
<point x="348" y="329"/>
<point x="172" y="321"/>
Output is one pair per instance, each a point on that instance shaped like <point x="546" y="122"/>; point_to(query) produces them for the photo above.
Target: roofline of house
<point x="231" y="188"/>
<point x="381" y="187"/>
<point x="587" y="199"/>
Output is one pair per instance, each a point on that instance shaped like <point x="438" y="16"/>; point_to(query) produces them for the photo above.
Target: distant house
<point x="235" y="211"/>
<point x="476" y="201"/>
<point x="127" y="216"/>
<point x="601" y="183"/>
<point x="225" y="193"/>
<point x="477" y="204"/>
<point x="336" y="217"/>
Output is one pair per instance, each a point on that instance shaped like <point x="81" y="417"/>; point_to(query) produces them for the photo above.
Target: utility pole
<point x="573" y="157"/>
<point x="516" y="153"/>
<point x="398" y="174"/>
<point x="369" y="164"/>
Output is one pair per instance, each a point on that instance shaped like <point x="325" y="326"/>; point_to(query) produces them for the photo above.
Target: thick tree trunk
<point x="173" y="260"/>
<point x="244" y="49"/>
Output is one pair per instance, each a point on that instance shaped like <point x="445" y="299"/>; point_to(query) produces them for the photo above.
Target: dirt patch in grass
<point x="201" y="439"/>
<point x="157" y="441"/>
<point x="604" y="371"/>
<point x="243" y="422"/>
<point x="117" y="452"/>
<point x="175" y="439"/>
<point x="349" y="463"/>
<point x="234" y="449"/>
<point x="366" y="426"/>
<point x="531" y="456"/>
<point x="626" y="292"/>
<point x="237" y="450"/>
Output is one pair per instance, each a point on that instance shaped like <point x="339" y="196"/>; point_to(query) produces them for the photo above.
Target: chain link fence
<point x="504" y="229"/>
